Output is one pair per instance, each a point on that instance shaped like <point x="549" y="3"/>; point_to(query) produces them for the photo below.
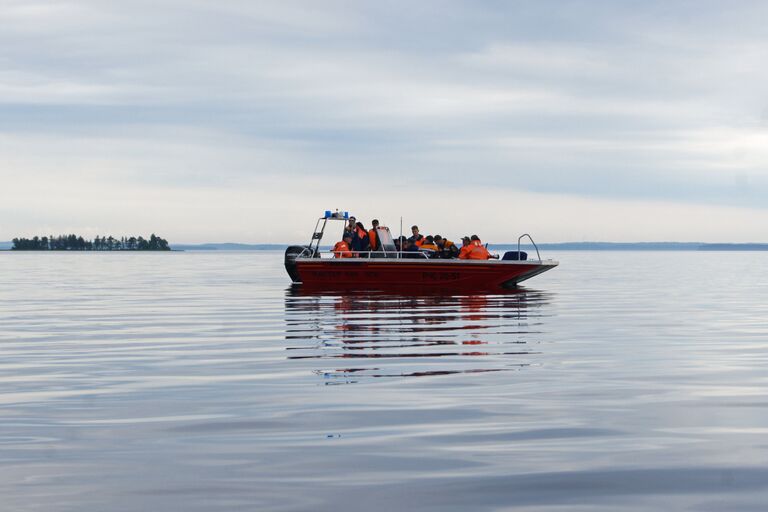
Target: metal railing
<point x="426" y="254"/>
<point x="534" y="245"/>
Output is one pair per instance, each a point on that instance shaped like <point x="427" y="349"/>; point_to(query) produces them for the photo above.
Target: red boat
<point x="390" y="268"/>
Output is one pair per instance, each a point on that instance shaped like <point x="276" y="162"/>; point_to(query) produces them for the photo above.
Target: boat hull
<point x="376" y="274"/>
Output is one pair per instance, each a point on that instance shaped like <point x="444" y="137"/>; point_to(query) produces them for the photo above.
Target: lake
<point x="196" y="381"/>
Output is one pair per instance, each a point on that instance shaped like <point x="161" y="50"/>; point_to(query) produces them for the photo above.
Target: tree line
<point x="78" y="243"/>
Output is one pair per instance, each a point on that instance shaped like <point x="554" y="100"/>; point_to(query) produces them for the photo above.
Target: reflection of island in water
<point x="397" y="335"/>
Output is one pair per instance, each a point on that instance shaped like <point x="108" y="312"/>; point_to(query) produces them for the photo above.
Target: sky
<point x="243" y="121"/>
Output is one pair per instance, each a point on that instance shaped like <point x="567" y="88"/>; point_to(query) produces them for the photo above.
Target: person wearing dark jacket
<point x="349" y="229"/>
<point x="448" y="249"/>
<point x="360" y="238"/>
<point x="410" y="249"/>
<point x="417" y="237"/>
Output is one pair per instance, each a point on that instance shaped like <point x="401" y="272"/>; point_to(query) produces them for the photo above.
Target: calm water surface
<point x="202" y="381"/>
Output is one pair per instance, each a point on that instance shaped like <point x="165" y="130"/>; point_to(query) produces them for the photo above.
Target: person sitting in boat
<point x="447" y="249"/>
<point x="411" y="249"/>
<point x="341" y="249"/>
<point x="417" y="238"/>
<point x="466" y="248"/>
<point x="429" y="244"/>
<point x="359" y="238"/>
<point x="478" y="250"/>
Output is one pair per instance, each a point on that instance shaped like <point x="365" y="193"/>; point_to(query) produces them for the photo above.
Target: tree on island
<point x="78" y="243"/>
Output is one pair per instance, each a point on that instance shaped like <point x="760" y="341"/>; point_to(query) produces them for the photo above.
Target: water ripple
<point x="489" y="332"/>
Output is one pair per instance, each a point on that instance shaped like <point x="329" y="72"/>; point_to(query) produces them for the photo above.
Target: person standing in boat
<point x="359" y="238"/>
<point x="349" y="228"/>
<point x="373" y="240"/>
<point x="417" y="239"/>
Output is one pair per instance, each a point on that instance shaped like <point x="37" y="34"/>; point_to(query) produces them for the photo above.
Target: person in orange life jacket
<point x="416" y="238"/>
<point x="466" y="248"/>
<point x="475" y="240"/>
<point x="373" y="240"/>
<point x="359" y="238"/>
<point x="341" y="249"/>
<point x="429" y="243"/>
<point x="478" y="251"/>
<point x="447" y="248"/>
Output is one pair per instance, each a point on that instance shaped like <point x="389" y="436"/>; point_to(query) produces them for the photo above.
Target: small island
<point x="78" y="243"/>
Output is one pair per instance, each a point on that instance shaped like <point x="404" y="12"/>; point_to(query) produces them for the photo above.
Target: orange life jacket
<point x="419" y="241"/>
<point x="449" y="249"/>
<point x="478" y="251"/>
<point x="464" y="252"/>
<point x="341" y="250"/>
<point x="372" y="240"/>
<point x="427" y="245"/>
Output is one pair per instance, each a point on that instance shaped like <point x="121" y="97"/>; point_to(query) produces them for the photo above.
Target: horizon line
<point x="595" y="242"/>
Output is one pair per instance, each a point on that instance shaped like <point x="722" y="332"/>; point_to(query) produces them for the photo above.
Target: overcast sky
<point x="245" y="120"/>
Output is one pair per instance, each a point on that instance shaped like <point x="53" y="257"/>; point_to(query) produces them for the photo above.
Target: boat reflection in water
<point x="347" y="336"/>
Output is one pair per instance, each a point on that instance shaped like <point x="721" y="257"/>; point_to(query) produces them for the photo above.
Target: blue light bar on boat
<point x="336" y="215"/>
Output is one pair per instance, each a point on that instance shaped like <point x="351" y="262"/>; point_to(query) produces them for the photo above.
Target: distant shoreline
<point x="73" y="242"/>
<point x="559" y="246"/>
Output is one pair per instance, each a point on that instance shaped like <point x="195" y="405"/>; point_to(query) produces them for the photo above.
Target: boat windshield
<point x="385" y="239"/>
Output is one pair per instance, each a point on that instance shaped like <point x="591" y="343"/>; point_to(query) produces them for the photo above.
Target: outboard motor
<point x="290" y="261"/>
<point x="515" y="256"/>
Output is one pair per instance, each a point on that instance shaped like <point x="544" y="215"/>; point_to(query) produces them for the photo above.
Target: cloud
<point x="600" y="103"/>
